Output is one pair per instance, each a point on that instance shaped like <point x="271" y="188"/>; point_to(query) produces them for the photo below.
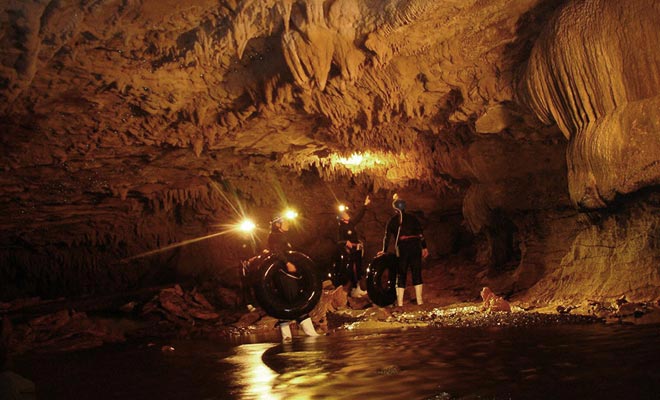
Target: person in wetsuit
<point x="350" y="246"/>
<point x="410" y="247"/>
<point x="287" y="279"/>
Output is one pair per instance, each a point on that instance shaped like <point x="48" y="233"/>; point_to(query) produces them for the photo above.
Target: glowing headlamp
<point x="246" y="226"/>
<point x="290" y="214"/>
<point x="342" y="208"/>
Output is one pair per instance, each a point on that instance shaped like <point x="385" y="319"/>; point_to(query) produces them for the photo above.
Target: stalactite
<point x="348" y="58"/>
<point x="254" y="18"/>
<point x="291" y="55"/>
<point x="284" y="7"/>
<point x="475" y="208"/>
<point x="405" y="12"/>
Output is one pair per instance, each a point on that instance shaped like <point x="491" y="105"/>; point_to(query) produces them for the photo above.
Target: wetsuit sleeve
<point x="278" y="245"/>
<point x="360" y="215"/>
<point x="389" y="232"/>
<point x="421" y="233"/>
<point x="341" y="235"/>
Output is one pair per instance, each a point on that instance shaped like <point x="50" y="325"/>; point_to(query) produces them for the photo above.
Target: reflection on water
<point x="253" y="378"/>
<point x="565" y="362"/>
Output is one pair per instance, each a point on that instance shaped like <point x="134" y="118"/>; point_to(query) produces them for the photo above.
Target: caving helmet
<point x="276" y="223"/>
<point x="342" y="213"/>
<point x="399" y="205"/>
<point x="282" y="220"/>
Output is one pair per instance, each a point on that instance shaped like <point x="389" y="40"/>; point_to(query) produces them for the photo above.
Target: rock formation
<point x="595" y="73"/>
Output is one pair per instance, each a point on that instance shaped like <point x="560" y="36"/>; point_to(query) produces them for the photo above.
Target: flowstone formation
<point x="604" y="96"/>
<point x="136" y="133"/>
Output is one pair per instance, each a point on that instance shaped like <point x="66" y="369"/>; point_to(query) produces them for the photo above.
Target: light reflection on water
<point x="563" y="362"/>
<point x="252" y="374"/>
<point x="577" y="362"/>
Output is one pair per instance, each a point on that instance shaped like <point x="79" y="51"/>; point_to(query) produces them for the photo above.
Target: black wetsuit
<point x="278" y="244"/>
<point x="247" y="281"/>
<point x="346" y="233"/>
<point x="247" y="276"/>
<point x="409" y="242"/>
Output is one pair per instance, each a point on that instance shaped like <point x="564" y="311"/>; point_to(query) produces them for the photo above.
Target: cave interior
<point x="136" y="134"/>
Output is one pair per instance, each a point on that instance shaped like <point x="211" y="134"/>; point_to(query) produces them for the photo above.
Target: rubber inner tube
<point x="381" y="279"/>
<point x="283" y="295"/>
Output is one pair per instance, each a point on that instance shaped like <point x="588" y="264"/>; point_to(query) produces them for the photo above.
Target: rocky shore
<point x="208" y="310"/>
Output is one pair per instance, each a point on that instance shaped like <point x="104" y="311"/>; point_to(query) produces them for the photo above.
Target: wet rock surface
<point x="63" y="331"/>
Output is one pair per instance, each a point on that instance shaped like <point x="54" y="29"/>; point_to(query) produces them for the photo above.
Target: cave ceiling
<point x="138" y="90"/>
<point x="126" y="125"/>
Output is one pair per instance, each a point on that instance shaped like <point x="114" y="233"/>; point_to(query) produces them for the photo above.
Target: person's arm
<point x="386" y="241"/>
<point x="285" y="246"/>
<point x="279" y="245"/>
<point x="388" y="235"/>
<point x="360" y="215"/>
<point x="290" y="267"/>
<point x="363" y="209"/>
<point x="342" y="237"/>
<point x="425" y="250"/>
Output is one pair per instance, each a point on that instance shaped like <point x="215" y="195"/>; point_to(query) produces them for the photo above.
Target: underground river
<point x="556" y="362"/>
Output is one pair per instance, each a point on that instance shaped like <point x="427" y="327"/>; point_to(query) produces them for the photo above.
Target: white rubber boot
<point x="308" y="327"/>
<point x="358" y="292"/>
<point x="418" y="294"/>
<point x="285" y="329"/>
<point x="399" y="296"/>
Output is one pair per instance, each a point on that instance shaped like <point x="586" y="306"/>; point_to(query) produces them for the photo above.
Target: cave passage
<point x="524" y="135"/>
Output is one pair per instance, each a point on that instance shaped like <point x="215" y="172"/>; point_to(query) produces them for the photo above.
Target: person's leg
<point x="356" y="262"/>
<point x="307" y="325"/>
<point x="416" y="270"/>
<point x="287" y="285"/>
<point x="402" y="271"/>
<point x="246" y="287"/>
<point x="5" y="339"/>
<point x="358" y="266"/>
<point x="353" y="268"/>
<point x="285" y="330"/>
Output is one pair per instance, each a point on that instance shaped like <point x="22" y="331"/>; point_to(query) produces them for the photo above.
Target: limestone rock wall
<point x="602" y="256"/>
<point x="596" y="72"/>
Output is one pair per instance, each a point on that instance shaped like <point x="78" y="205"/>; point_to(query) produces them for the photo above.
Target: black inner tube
<point x="381" y="279"/>
<point x="287" y="296"/>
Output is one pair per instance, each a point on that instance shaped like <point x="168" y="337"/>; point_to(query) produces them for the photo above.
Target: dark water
<point x="561" y="362"/>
